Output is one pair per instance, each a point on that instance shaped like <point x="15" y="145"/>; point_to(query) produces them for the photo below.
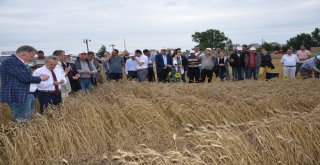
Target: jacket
<point x="16" y="78"/>
<point x="160" y="62"/>
<point x="257" y="60"/>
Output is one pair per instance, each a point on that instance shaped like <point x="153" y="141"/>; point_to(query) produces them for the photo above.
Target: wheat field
<point x="249" y="122"/>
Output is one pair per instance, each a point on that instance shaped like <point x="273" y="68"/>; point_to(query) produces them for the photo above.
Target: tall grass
<point x="275" y="122"/>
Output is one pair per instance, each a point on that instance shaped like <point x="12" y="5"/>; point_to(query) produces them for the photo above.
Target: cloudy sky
<point x="63" y="24"/>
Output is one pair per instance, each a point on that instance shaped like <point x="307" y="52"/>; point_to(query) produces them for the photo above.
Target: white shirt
<point x="175" y="64"/>
<point x="48" y="85"/>
<point x="143" y="58"/>
<point x="131" y="65"/>
<point x="291" y="60"/>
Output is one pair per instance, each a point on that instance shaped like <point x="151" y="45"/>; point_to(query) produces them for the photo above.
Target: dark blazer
<point x="75" y="84"/>
<point x="16" y="78"/>
<point x="160" y="62"/>
<point x="266" y="61"/>
<point x="236" y="60"/>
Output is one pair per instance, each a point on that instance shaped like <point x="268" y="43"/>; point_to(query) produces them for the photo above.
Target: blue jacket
<point x="160" y="62"/>
<point x="16" y="78"/>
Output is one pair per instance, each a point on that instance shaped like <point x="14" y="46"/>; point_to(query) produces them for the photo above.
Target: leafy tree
<point x="316" y="35"/>
<point x="229" y="45"/>
<point x="101" y="51"/>
<point x="309" y="40"/>
<point x="267" y="46"/>
<point x="210" y="39"/>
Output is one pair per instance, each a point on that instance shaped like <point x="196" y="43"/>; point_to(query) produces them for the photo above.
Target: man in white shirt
<point x="142" y="65"/>
<point x="289" y="62"/>
<point x="131" y="67"/>
<point x="60" y="54"/>
<point x="49" y="92"/>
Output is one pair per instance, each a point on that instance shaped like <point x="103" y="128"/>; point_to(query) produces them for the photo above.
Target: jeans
<point x="86" y="83"/>
<point x="242" y="73"/>
<point x="23" y="111"/>
<point x="46" y="98"/>
<point x="236" y="73"/>
<point x="142" y="75"/>
<point x="206" y="73"/>
<point x="254" y="72"/>
<point x="222" y="73"/>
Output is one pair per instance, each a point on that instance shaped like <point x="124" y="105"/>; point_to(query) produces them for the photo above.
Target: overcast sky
<point x="63" y="24"/>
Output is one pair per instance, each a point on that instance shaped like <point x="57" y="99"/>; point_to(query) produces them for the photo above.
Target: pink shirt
<point x="303" y="55"/>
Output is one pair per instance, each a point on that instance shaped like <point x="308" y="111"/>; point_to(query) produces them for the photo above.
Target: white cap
<point x="192" y="52"/>
<point x="131" y="55"/>
<point x="239" y="48"/>
<point x="208" y="49"/>
<point x="318" y="57"/>
<point x="253" y="49"/>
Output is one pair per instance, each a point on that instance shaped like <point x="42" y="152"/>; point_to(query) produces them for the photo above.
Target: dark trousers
<point x="252" y="72"/>
<point x="298" y="66"/>
<point x="206" y="73"/>
<point x="151" y="77"/>
<point x="222" y="73"/>
<point x="115" y="76"/>
<point x="162" y="76"/>
<point x="216" y="71"/>
<point x="46" y="98"/>
<point x="193" y="74"/>
<point x="236" y="73"/>
<point x="305" y="74"/>
<point x="132" y="75"/>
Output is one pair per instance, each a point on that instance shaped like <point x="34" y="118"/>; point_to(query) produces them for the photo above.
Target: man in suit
<point x="16" y="78"/>
<point x="164" y="65"/>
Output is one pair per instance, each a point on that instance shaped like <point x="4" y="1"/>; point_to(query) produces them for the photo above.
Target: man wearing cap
<point x="289" y="62"/>
<point x="235" y="64"/>
<point x="252" y="63"/>
<point x="207" y="64"/>
<point x="131" y="67"/>
<point x="164" y="65"/>
<point x="309" y="66"/>
<point x="303" y="56"/>
<point x="193" y="67"/>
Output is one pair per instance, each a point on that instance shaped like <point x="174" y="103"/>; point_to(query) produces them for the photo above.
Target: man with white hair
<point x="252" y="64"/>
<point x="16" y="77"/>
<point x="309" y="66"/>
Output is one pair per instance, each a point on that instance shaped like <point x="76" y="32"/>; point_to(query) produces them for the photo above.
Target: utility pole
<point x="112" y="45"/>
<point x="125" y="46"/>
<point x="86" y="41"/>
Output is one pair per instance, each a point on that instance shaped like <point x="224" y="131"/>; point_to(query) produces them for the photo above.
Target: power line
<point x="86" y="41"/>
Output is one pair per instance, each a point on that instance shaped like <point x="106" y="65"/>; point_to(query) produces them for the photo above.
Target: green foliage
<point x="211" y="39"/>
<point x="309" y="40"/>
<point x="101" y="51"/>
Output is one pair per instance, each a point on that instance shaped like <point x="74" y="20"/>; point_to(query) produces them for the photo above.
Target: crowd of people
<point x="58" y="76"/>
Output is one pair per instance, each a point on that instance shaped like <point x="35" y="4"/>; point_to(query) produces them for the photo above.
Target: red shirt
<point x="251" y="61"/>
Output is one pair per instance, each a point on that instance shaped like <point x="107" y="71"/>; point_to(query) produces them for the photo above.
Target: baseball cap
<point x="239" y="48"/>
<point x="252" y="49"/>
